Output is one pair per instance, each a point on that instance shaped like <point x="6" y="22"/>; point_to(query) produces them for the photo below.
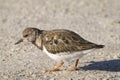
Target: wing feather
<point x="57" y="41"/>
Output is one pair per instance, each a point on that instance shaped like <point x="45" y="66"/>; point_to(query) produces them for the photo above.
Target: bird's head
<point x="29" y="34"/>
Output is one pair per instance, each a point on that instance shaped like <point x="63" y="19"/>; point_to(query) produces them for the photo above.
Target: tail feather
<point x="99" y="46"/>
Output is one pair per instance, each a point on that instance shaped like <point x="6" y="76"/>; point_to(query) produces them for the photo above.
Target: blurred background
<point x="95" y="20"/>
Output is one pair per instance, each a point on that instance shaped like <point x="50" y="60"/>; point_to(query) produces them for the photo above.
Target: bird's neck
<point x="38" y="41"/>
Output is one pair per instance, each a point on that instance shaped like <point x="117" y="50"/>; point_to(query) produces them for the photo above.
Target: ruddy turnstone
<point x="59" y="44"/>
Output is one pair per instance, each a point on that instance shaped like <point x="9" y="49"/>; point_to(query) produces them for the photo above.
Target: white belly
<point x="66" y="55"/>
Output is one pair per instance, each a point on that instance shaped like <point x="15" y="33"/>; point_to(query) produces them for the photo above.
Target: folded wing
<point x="66" y="41"/>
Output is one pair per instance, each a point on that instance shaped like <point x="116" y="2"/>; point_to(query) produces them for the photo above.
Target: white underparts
<point x="66" y="55"/>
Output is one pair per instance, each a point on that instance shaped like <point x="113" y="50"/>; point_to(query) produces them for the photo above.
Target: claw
<point x="56" y="68"/>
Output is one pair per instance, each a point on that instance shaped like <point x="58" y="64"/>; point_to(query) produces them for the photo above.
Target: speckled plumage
<point x="56" y="41"/>
<point x="59" y="44"/>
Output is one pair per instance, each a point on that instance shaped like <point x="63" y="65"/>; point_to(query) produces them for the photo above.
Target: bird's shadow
<point x="111" y="65"/>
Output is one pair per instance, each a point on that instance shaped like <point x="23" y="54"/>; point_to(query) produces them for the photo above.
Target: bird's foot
<point x="72" y="69"/>
<point x="56" y="68"/>
<point x="53" y="70"/>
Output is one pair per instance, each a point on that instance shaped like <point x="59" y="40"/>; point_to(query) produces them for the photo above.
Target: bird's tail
<point x="99" y="46"/>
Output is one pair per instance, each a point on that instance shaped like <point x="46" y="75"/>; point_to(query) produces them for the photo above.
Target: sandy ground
<point x="95" y="20"/>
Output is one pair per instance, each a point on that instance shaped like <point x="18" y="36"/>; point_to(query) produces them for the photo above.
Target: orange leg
<point x="75" y="66"/>
<point x="56" y="68"/>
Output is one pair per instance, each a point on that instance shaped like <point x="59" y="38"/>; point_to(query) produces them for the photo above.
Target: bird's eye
<point x="25" y="35"/>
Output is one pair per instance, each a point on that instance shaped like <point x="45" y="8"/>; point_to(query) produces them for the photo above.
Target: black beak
<point x="21" y="40"/>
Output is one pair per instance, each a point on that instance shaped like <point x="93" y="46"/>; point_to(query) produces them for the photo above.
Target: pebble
<point x="52" y="79"/>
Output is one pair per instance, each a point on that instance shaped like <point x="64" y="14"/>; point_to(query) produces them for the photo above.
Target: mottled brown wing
<point x="57" y="41"/>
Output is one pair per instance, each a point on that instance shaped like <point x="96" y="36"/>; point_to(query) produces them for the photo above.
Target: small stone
<point x="33" y="75"/>
<point x="45" y="76"/>
<point x="52" y="79"/>
<point x="3" y="60"/>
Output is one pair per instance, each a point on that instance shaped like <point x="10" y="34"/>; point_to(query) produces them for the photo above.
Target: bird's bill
<point x="21" y="40"/>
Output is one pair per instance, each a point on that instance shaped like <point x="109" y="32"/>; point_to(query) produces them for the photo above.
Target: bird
<point x="59" y="44"/>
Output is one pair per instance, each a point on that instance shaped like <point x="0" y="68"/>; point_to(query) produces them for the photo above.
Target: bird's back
<point x="61" y="40"/>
